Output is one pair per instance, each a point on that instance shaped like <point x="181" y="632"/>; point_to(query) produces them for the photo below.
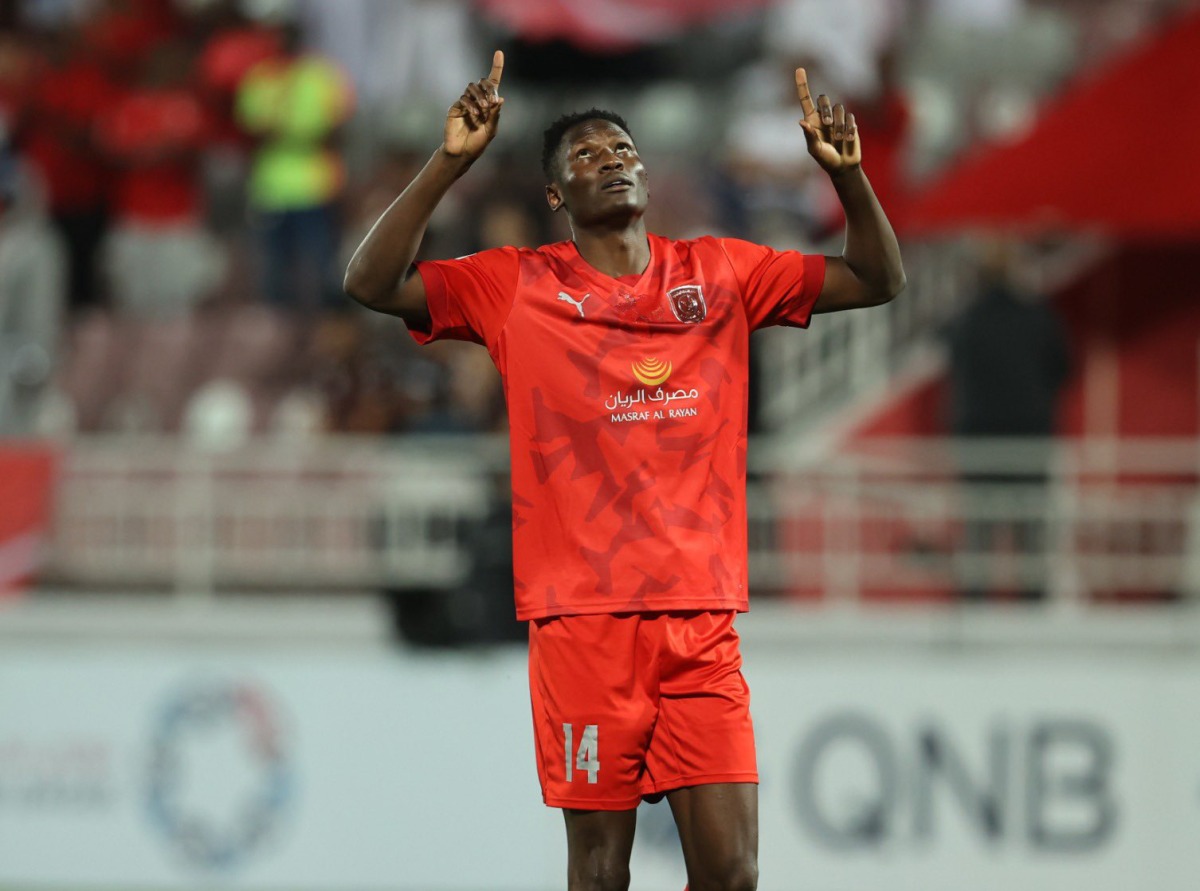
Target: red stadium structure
<point x="26" y="483"/>
<point x="1110" y="155"/>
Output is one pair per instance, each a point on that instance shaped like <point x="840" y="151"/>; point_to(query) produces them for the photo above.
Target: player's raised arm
<point x="379" y="275"/>
<point x="870" y="271"/>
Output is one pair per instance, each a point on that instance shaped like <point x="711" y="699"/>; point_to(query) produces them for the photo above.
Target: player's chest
<point x="581" y="312"/>
<point x="664" y="307"/>
<point x="661" y="349"/>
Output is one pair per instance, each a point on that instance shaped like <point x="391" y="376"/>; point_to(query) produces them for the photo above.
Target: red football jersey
<point x="627" y="403"/>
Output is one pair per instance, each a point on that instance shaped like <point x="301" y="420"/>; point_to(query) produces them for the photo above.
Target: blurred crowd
<point x="183" y="180"/>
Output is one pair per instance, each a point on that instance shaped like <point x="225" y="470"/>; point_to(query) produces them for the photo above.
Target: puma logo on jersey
<point x="578" y="304"/>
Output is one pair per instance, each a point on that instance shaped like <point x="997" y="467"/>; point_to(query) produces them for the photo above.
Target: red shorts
<point x="632" y="706"/>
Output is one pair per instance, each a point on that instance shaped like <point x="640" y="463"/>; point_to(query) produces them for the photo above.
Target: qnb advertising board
<point x="207" y="768"/>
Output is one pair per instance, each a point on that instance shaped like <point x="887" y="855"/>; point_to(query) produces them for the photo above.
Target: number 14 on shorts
<point x="587" y="757"/>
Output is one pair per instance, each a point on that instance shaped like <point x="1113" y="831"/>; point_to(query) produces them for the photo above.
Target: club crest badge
<point x="687" y="303"/>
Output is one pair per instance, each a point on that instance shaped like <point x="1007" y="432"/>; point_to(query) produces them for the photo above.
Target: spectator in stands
<point x="159" y="258"/>
<point x="295" y="105"/>
<point x="32" y="299"/>
<point x="126" y="33"/>
<point x="56" y="133"/>
<point x="231" y="45"/>
<point x="131" y="371"/>
<point x="1008" y="363"/>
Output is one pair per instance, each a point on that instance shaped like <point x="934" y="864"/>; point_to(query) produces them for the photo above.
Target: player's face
<point x="602" y="179"/>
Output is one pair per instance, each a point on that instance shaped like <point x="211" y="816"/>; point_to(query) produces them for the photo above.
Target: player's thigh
<point x="594" y="706"/>
<point x="718" y="831"/>
<point x="704" y="733"/>
<point x="599" y="844"/>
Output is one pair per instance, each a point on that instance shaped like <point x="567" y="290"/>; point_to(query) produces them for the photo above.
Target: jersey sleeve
<point x="777" y="287"/>
<point x="469" y="298"/>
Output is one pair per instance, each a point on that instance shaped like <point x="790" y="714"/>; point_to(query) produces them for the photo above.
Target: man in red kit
<point x="624" y="357"/>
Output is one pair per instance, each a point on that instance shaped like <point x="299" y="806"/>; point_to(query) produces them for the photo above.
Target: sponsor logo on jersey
<point x="652" y="401"/>
<point x="578" y="304"/>
<point x="687" y="303"/>
<point x="652" y="372"/>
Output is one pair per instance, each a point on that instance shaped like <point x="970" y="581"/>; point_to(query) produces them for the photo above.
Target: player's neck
<point x="615" y="252"/>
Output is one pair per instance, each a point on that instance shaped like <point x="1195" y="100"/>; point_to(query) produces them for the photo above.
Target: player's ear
<point x="554" y="197"/>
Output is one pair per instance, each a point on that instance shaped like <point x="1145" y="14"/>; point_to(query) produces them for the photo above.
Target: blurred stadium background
<point x="255" y="612"/>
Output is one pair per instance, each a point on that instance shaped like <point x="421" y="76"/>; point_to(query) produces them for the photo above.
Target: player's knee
<point x="737" y="875"/>
<point x="601" y="874"/>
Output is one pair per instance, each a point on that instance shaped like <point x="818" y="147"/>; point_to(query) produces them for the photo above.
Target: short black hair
<point x="553" y="137"/>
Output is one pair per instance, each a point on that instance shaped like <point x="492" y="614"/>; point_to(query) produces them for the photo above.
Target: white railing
<point x="336" y="513"/>
<point x="842" y="355"/>
<point x="938" y="520"/>
<point x="804" y="376"/>
<point x="907" y="520"/>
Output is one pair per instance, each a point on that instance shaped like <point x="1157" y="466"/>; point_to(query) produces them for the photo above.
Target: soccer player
<point x="624" y="359"/>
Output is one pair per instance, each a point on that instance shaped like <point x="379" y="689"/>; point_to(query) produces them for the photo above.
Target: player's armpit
<point x="408" y="302"/>
<point x="845" y="290"/>
<point x="411" y="303"/>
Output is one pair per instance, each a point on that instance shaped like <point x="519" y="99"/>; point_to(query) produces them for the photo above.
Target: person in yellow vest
<point x="294" y="104"/>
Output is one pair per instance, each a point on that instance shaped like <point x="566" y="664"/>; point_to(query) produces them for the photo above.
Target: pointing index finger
<point x="806" y="103"/>
<point x="497" y="67"/>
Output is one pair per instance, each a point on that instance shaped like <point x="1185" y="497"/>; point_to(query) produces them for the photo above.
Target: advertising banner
<point x="198" y="768"/>
<point x="167" y="770"/>
<point x="973" y="773"/>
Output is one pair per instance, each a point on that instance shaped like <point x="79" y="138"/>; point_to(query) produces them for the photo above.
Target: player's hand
<point x="831" y="133"/>
<point x="472" y="121"/>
